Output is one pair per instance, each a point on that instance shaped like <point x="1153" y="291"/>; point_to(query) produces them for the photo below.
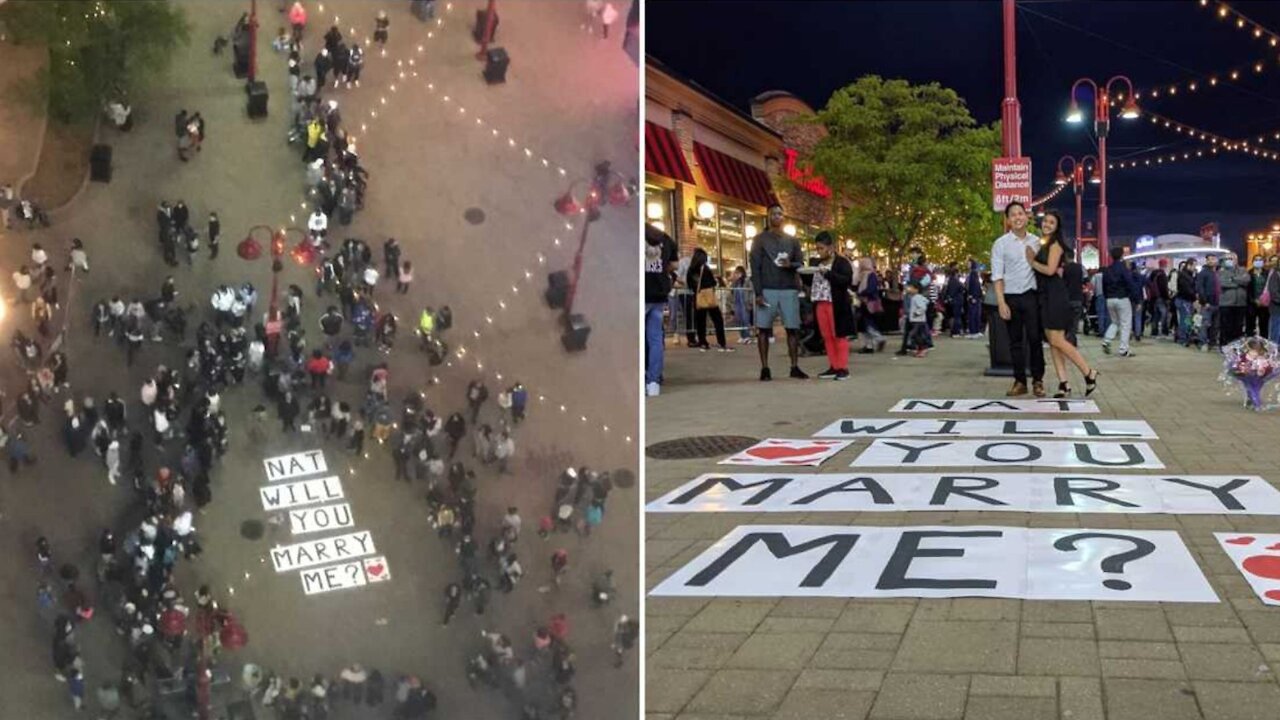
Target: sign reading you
<point x="987" y="453"/>
<point x="938" y="562"/>
<point x="329" y="563"/>
<point x="1009" y="492"/>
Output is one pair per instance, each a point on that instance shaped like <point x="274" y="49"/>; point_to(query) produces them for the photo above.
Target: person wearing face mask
<point x="1256" y="313"/>
<point x="1184" y="301"/>
<point x="1271" y="287"/>
<point x="1234" y="281"/>
<point x="1208" y="297"/>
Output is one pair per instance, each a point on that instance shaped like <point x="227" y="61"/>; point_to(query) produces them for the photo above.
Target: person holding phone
<point x="775" y="260"/>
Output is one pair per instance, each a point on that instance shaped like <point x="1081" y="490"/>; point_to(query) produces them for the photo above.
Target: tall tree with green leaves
<point x="97" y="50"/>
<point x="912" y="167"/>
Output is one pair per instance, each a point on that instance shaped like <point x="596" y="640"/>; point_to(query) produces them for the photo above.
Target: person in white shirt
<point x="1017" y="301"/>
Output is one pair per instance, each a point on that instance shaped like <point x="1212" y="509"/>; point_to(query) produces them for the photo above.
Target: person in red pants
<point x="832" y="307"/>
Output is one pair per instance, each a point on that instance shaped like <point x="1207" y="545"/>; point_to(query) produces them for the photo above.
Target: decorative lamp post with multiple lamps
<point x="585" y="197"/>
<point x="1075" y="174"/>
<point x="1101" y="127"/>
<point x="251" y="249"/>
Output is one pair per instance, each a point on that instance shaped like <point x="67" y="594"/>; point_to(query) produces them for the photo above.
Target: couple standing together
<point x="1032" y="299"/>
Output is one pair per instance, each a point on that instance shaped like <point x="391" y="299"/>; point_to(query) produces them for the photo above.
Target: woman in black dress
<point x="1056" y="315"/>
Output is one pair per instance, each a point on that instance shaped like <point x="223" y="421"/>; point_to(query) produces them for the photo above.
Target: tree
<point x="97" y="50"/>
<point x="913" y="167"/>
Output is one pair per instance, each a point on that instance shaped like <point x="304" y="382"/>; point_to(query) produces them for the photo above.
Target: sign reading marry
<point x="979" y="453"/>
<point x="286" y="467"/>
<point x="1008" y="492"/>
<point x="787" y="452"/>
<point x="938" y="562"/>
<point x="1021" y="405"/>
<point x="1257" y="557"/>
<point x="321" y="551"/>
<point x="919" y="427"/>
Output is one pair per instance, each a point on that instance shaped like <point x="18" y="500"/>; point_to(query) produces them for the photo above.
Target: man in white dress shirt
<point x="1017" y="301"/>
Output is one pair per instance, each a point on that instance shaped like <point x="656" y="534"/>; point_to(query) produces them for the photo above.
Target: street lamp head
<point x="1075" y="114"/>
<point x="1059" y="178"/>
<point x="1130" y="111"/>
<point x="1095" y="177"/>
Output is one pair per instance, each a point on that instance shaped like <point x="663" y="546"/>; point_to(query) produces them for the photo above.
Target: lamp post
<point x="1076" y="176"/>
<point x="1010" y="110"/>
<point x="1101" y="127"/>
<point x="210" y="622"/>
<point x="253" y="41"/>
<point x="486" y="37"/>
<point x="607" y="185"/>
<point x="251" y="249"/>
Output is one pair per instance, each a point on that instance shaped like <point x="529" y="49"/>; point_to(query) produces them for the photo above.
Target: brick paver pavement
<point x="972" y="658"/>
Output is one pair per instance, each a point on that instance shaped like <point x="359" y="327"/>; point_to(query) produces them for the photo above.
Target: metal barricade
<point x="736" y="304"/>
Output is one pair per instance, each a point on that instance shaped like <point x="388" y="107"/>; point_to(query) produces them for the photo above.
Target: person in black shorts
<point x="1056" y="314"/>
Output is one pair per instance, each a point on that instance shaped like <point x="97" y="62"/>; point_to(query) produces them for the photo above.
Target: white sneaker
<point x="652" y="389"/>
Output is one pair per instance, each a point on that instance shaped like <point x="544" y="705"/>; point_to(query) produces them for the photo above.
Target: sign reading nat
<point x="285" y="467"/>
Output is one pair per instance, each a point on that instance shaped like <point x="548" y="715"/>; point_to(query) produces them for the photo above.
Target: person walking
<point x="706" y="302"/>
<point x="1234" y="296"/>
<point x="832" y="308"/>
<point x="1118" y="283"/>
<point x="215" y="232"/>
<point x="659" y="265"/>
<point x="297" y="20"/>
<point x="1016" y="300"/>
<point x="404" y="277"/>
<point x="775" y="259"/>
<point x="872" y="304"/>
<point x="1056" y="312"/>
<point x="1208" y="297"/>
<point x="452" y="599"/>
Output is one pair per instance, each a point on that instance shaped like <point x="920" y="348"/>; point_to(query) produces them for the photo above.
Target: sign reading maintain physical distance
<point x="1007" y="492"/>
<point x="995" y="453"/>
<point x="971" y="428"/>
<point x="941" y="562"/>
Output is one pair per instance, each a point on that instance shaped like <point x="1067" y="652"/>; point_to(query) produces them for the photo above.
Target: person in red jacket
<point x="318" y="367"/>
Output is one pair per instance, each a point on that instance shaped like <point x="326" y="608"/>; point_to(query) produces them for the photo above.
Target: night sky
<point x="739" y="49"/>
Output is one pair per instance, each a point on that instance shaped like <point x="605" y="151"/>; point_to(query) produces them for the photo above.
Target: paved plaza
<point x="728" y="658"/>
<point x="568" y="103"/>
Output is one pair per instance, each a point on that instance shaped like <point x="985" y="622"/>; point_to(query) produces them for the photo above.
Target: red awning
<point x="662" y="154"/>
<point x="728" y="175"/>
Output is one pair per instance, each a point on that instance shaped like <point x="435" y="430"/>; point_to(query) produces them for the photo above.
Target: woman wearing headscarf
<point x="872" y="305"/>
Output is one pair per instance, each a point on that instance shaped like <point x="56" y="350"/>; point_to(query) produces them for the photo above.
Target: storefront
<point x="711" y="171"/>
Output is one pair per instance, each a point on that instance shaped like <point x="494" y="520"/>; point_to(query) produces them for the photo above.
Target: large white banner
<point x="941" y="561"/>
<point x="921" y="427"/>
<point x="1043" y="406"/>
<point x="1257" y="557"/>
<point x="774" y="451"/>
<point x="287" y="467"/>
<point x="1008" y="492"/>
<point x="322" y="550"/>
<point x="995" y="453"/>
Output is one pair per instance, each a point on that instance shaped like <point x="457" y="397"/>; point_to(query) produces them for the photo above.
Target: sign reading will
<point x="920" y="427"/>
<point x="303" y="492"/>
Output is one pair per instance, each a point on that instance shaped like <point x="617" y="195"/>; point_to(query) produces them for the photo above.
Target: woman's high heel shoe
<point x="1091" y="383"/>
<point x="1064" y="390"/>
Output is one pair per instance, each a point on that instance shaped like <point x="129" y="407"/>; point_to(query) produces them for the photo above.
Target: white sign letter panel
<point x="996" y="453"/>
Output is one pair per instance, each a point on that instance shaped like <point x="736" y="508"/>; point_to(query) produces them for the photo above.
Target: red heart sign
<point x="1273" y="546"/>
<point x="1272" y="595"/>
<point x="375" y="569"/>
<point x="781" y="452"/>
<point x="1246" y="540"/>
<point x="1267" y="566"/>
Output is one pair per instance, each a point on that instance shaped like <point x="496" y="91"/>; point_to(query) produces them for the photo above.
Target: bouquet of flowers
<point x="1252" y="363"/>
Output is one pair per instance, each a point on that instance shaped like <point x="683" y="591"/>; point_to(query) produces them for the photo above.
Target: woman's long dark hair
<point x="1068" y="250"/>
<point x="698" y="260"/>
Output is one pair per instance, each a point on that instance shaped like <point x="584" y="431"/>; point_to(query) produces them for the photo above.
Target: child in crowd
<point x="917" y="308"/>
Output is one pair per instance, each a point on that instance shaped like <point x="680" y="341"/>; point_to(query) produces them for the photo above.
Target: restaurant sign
<point x="804" y="177"/>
